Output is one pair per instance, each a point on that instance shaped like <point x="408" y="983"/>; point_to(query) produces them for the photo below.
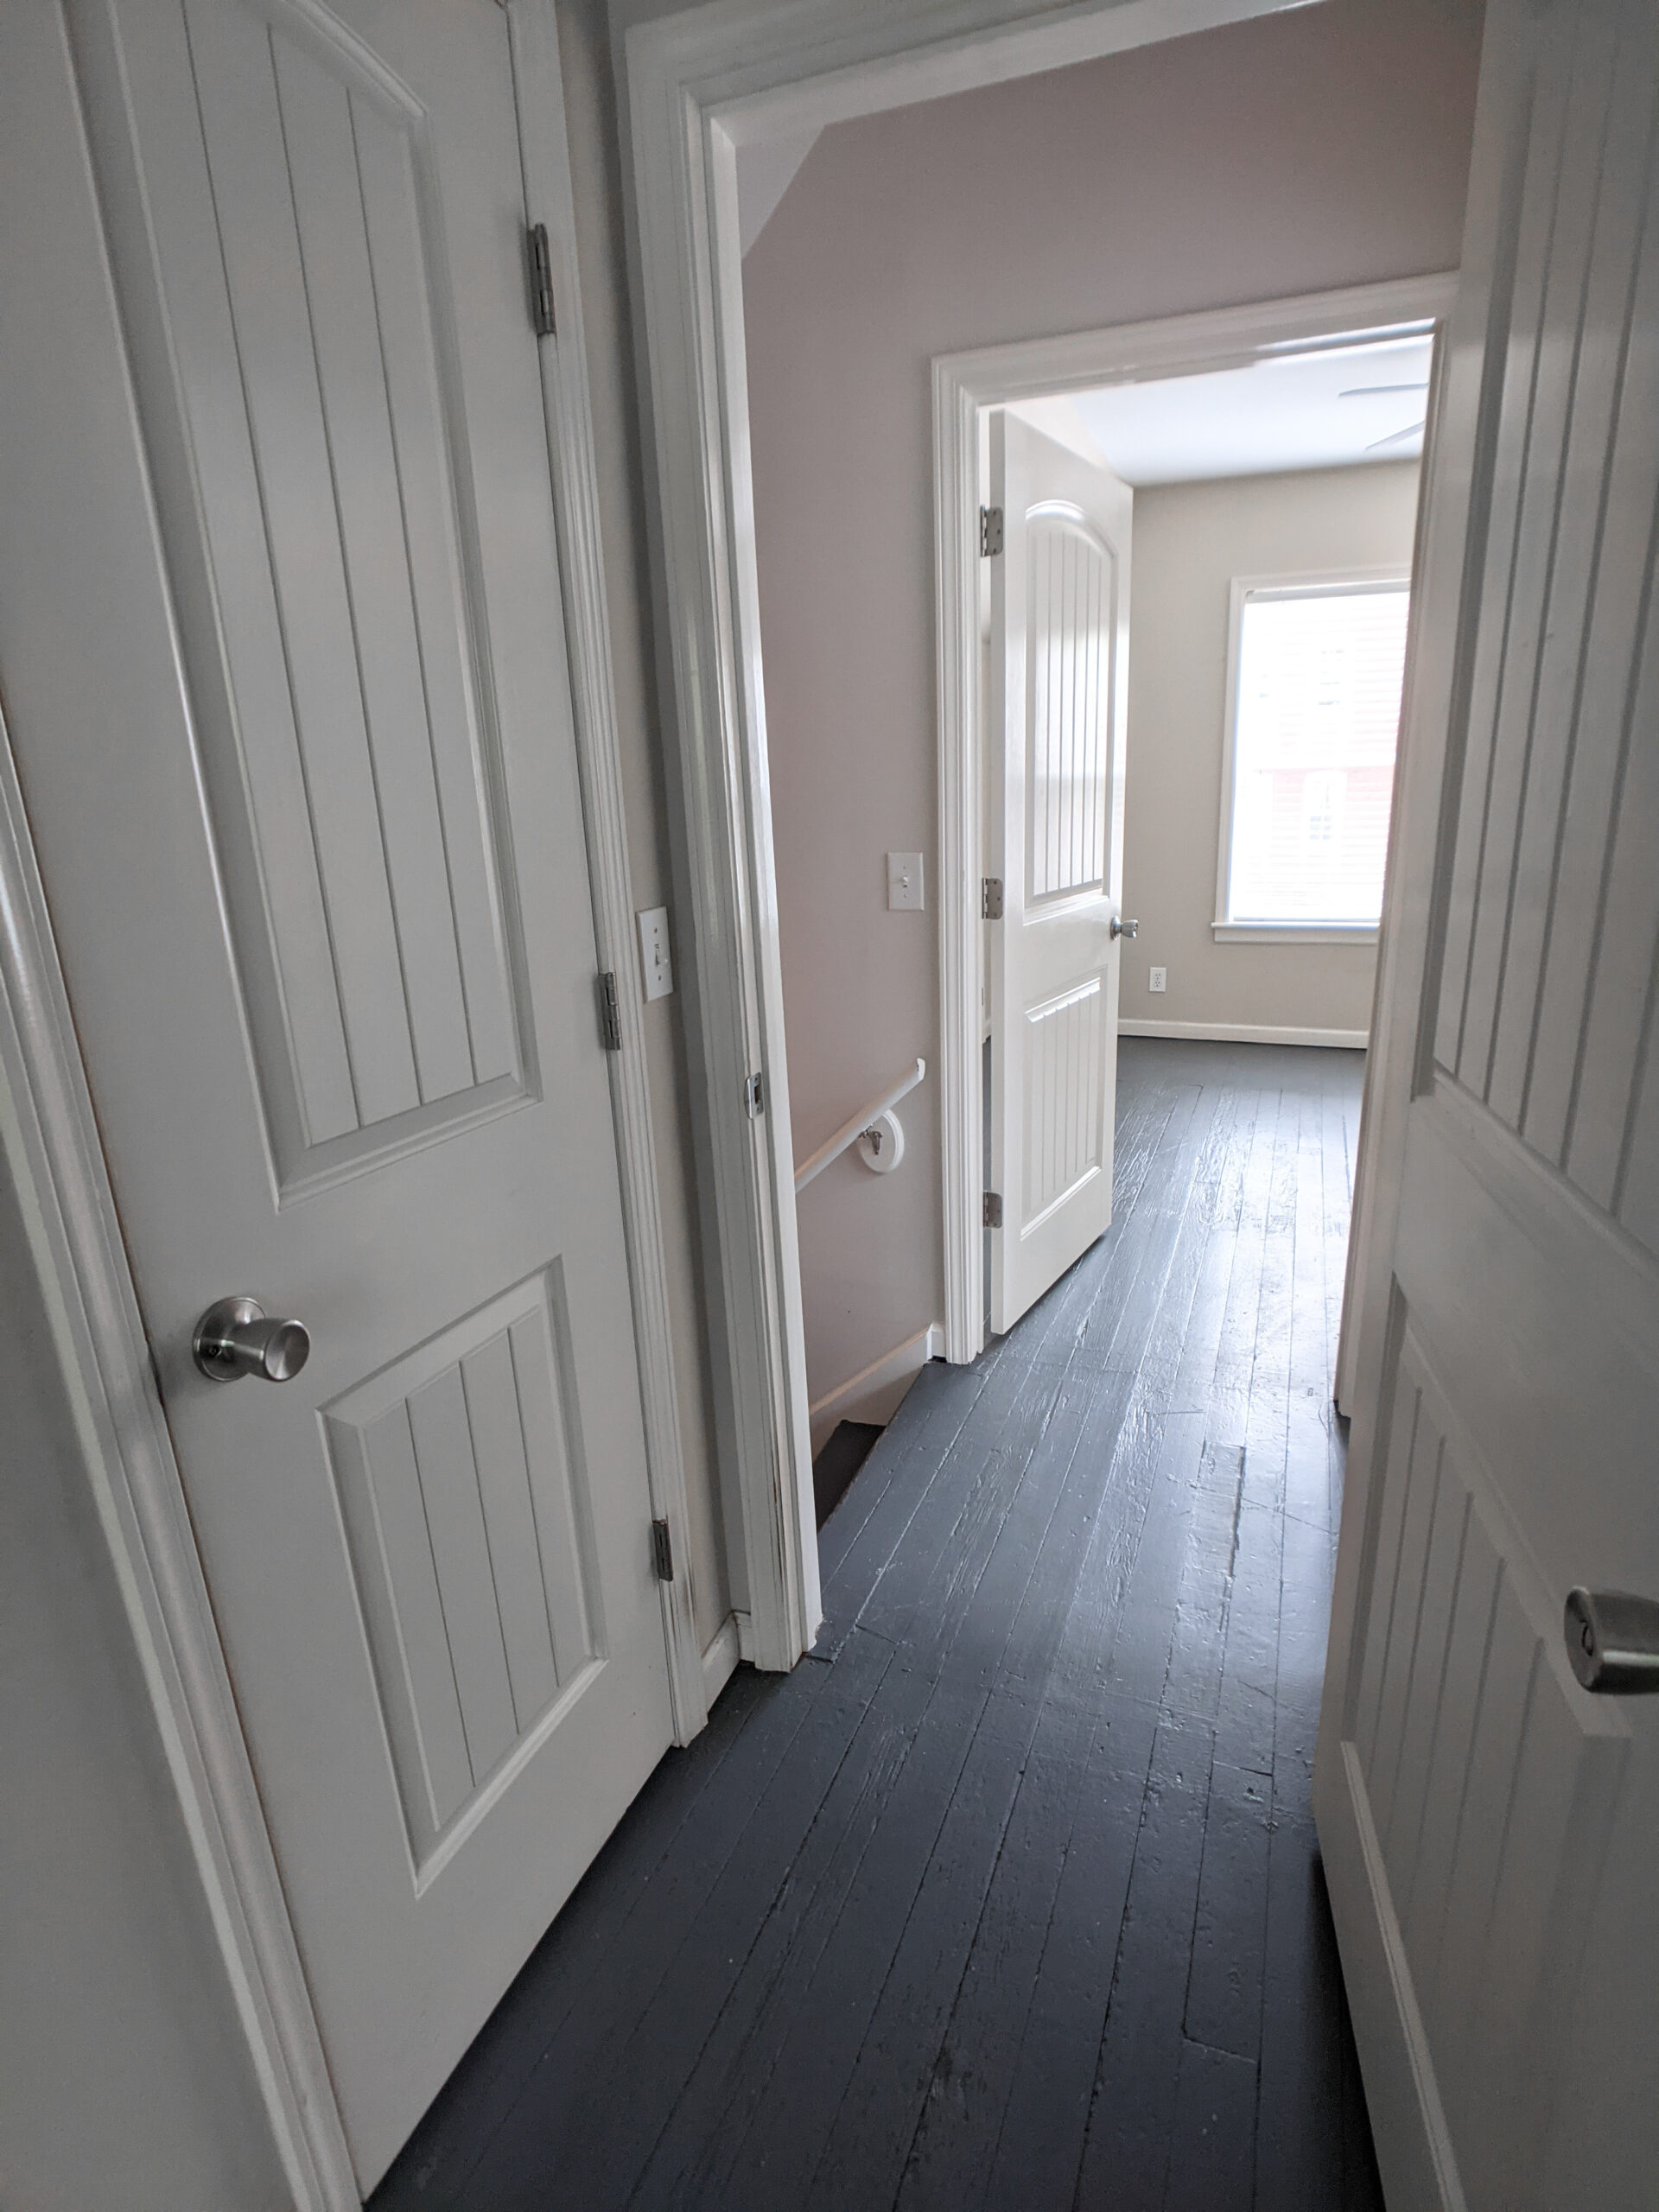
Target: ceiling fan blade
<point x="1366" y="390"/>
<point x="1395" y="436"/>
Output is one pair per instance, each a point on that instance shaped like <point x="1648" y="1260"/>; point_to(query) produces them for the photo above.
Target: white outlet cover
<point x="655" y="963"/>
<point x="1158" y="979"/>
<point x="905" y="883"/>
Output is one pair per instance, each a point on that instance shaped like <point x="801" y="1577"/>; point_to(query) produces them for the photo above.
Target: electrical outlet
<point x="654" y="956"/>
<point x="1158" y="979"/>
<point x="905" y="883"/>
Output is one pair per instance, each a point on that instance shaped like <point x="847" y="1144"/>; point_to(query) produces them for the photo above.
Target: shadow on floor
<point x="848" y="1447"/>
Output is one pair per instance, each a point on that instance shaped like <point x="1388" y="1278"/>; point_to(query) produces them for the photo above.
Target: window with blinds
<point x="1318" y="674"/>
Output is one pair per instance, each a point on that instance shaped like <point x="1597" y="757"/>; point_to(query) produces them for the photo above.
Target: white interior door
<point x="1058" y="691"/>
<point x="331" y="945"/>
<point x="1488" y="1823"/>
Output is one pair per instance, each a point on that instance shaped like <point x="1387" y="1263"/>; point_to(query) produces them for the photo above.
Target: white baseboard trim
<point x="719" y="1660"/>
<point x="891" y="1371"/>
<point x="1249" y="1032"/>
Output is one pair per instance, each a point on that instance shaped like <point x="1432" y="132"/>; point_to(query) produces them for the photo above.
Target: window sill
<point x="1295" y="933"/>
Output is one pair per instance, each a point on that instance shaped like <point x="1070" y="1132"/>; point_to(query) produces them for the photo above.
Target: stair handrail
<point x="850" y="1131"/>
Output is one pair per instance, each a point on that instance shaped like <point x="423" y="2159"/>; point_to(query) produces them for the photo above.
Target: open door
<point x="325" y="911"/>
<point x="1487" y="1800"/>
<point x="1059" y="676"/>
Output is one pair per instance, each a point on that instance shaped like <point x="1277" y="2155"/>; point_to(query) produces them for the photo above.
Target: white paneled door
<point x="333" y="952"/>
<point x="1489" y="1822"/>
<point x="1059" y="684"/>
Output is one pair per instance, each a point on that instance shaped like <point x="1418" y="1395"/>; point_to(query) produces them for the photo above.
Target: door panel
<point x="329" y="938"/>
<point x="1059" y="631"/>
<point x="463" y="1491"/>
<point x="1486" y="1821"/>
<point x="299" y="231"/>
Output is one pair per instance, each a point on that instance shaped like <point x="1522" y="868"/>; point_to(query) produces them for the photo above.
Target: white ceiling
<point x="1329" y="408"/>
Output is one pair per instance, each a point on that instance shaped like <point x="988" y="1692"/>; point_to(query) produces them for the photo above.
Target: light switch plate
<point x="654" y="961"/>
<point x="1158" y="979"/>
<point x="905" y="883"/>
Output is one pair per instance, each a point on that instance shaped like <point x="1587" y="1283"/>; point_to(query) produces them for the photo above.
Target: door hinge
<point x="754" y="1098"/>
<point x="542" y="319"/>
<point x="610" y="1013"/>
<point x="990" y="898"/>
<point x="992" y="1208"/>
<point x="662" y="1551"/>
<point x="990" y="533"/>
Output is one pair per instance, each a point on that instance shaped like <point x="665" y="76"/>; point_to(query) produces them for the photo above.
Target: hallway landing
<point x="1009" y="1894"/>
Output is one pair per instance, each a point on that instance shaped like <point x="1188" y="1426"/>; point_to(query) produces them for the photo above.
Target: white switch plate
<point x="905" y="883"/>
<point x="654" y="960"/>
<point x="1158" y="979"/>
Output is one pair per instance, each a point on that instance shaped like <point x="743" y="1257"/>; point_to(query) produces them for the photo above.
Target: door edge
<point x="1413" y="2144"/>
<point x="538" y="91"/>
<point x="48" y="1132"/>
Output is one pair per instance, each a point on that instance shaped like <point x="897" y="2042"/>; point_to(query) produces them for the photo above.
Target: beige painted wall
<point x="1191" y="540"/>
<point x="1326" y="146"/>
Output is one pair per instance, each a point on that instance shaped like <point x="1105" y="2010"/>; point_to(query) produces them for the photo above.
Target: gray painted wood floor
<point x="1009" y="1894"/>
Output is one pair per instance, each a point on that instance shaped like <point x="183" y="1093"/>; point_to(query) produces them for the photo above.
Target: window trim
<point x="1333" y="582"/>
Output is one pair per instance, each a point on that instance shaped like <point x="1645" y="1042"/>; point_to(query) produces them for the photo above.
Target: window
<point x="1316" y="672"/>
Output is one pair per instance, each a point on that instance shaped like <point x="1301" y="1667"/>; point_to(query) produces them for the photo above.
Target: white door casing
<point x="1055" y="732"/>
<point x="695" y="83"/>
<point x="966" y="386"/>
<point x="1486" y="1822"/>
<point x="340" y="1022"/>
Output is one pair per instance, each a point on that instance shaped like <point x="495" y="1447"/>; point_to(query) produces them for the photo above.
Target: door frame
<point x="694" y="84"/>
<point x="49" y="1138"/>
<point x="964" y="384"/>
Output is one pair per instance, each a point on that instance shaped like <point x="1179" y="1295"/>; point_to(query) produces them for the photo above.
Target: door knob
<point x="1120" y="928"/>
<point x="1614" y="1641"/>
<point x="235" y="1336"/>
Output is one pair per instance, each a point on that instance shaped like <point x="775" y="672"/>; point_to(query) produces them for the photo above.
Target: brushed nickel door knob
<point x="1120" y="928"/>
<point x="235" y="1338"/>
<point x="1612" y="1640"/>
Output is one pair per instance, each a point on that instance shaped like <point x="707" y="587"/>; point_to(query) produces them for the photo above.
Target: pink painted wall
<point x="1326" y="146"/>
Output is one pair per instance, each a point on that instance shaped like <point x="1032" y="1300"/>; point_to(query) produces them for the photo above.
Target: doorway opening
<point x="702" y="97"/>
<point x="1175" y="765"/>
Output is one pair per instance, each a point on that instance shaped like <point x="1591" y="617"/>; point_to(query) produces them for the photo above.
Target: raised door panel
<point x="1491" y="1781"/>
<point x="463" y="1497"/>
<point x="1063" y="1095"/>
<point x="1071" y="638"/>
<point x="1546" y="1010"/>
<point x="348" y="735"/>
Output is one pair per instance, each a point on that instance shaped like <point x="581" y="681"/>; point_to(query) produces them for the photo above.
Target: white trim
<point x="545" y="150"/>
<point x="693" y="83"/>
<point x="1294" y="932"/>
<point x="907" y="1358"/>
<point x="1250" y="1032"/>
<point x="963" y="384"/>
<point x="719" y="1660"/>
<point x="50" y="1141"/>
<point x="1336" y="583"/>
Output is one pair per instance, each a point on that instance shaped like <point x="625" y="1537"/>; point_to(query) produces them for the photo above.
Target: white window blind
<point x="1317" y="711"/>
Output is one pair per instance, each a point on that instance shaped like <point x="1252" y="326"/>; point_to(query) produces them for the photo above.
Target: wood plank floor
<point x="1009" y="1894"/>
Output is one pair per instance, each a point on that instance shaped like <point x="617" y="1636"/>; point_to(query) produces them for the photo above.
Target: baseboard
<point x="719" y="1660"/>
<point x="875" y="1392"/>
<point x="1413" y="2144"/>
<point x="1250" y="1032"/>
